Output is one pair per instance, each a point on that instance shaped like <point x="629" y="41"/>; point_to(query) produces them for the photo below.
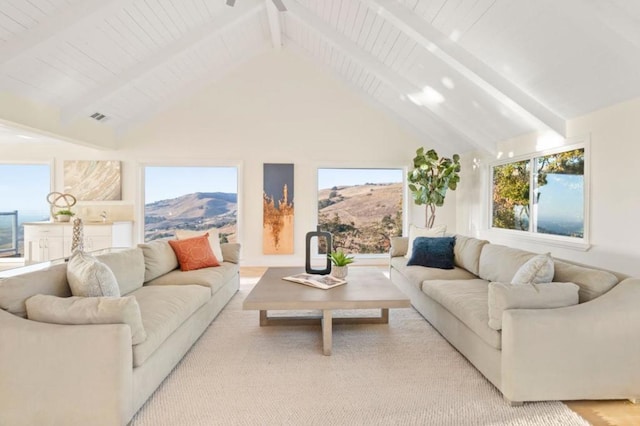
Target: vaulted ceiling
<point x="467" y="73"/>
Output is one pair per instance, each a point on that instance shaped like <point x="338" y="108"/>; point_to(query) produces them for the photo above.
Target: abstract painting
<point x="277" y="206"/>
<point x="93" y="180"/>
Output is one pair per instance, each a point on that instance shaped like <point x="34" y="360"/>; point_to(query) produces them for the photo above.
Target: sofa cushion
<point x="417" y="231"/>
<point x="592" y="282"/>
<point x="467" y="252"/>
<point x="467" y="301"/>
<point x="194" y="253"/>
<point x="213" y="278"/>
<point x="159" y="258"/>
<point x="164" y="309"/>
<point x="500" y="263"/>
<point x="230" y="252"/>
<point x="214" y="239"/>
<point x="538" y="269"/>
<point x="88" y="310"/>
<point x="528" y="296"/>
<point x="127" y="266"/>
<point x="433" y="252"/>
<point x="417" y="274"/>
<point x="399" y="246"/>
<point x="14" y="291"/>
<point x="88" y="277"/>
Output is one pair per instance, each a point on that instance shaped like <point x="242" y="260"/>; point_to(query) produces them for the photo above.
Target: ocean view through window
<point x="24" y="191"/>
<point x="544" y="194"/>
<point x="362" y="208"/>
<point x="190" y="197"/>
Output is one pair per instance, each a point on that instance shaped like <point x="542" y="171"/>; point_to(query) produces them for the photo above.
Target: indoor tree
<point x="430" y="179"/>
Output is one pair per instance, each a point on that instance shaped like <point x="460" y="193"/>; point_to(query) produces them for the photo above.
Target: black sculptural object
<point x="307" y="265"/>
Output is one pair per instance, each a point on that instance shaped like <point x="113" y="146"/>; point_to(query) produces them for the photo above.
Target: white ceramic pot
<point x="63" y="218"/>
<point x="339" y="271"/>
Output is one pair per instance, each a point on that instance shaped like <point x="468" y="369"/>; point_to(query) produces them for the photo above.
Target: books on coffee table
<point x="324" y="282"/>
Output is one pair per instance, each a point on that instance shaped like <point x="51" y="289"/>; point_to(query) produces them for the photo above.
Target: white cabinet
<point x="45" y="241"/>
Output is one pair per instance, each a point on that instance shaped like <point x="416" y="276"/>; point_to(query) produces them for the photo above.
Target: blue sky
<point x="328" y="178"/>
<point x="562" y="198"/>
<point x="162" y="183"/>
<point x="31" y="196"/>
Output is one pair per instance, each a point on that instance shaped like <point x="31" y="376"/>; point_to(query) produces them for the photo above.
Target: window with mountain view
<point x="362" y="208"/>
<point x="542" y="194"/>
<point x="23" y="198"/>
<point x="196" y="198"/>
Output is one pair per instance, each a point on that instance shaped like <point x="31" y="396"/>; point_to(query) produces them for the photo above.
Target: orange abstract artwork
<point x="277" y="205"/>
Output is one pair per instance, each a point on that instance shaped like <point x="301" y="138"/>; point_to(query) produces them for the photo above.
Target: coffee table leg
<point x="327" y="322"/>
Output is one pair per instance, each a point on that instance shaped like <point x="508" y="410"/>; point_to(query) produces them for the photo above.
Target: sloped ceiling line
<point x="274" y="24"/>
<point x="81" y="13"/>
<point x="381" y="71"/>
<point x="501" y="89"/>
<point x="227" y="19"/>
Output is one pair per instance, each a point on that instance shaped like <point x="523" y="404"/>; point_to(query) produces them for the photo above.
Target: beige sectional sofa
<point x="589" y="350"/>
<point x="54" y="374"/>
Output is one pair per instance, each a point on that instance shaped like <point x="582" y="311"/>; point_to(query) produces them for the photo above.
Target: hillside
<point x="199" y="210"/>
<point x="362" y="218"/>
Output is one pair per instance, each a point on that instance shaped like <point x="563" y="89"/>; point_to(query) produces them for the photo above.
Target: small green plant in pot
<point x="340" y="262"/>
<point x="64" y="215"/>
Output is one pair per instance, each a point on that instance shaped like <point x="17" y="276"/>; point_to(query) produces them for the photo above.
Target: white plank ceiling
<point x="462" y="74"/>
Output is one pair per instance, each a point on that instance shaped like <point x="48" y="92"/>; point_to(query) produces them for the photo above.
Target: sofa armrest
<point x="231" y="252"/>
<point x="399" y="246"/>
<point x="586" y="351"/>
<point x="64" y="374"/>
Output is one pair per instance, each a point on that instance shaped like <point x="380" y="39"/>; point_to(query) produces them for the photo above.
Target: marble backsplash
<point x="92" y="212"/>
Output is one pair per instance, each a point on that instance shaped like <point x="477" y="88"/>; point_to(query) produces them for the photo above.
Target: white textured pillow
<point x="528" y="296"/>
<point x="88" y="277"/>
<point x="538" y="269"/>
<point x="88" y="310"/>
<point x="417" y="231"/>
<point x="214" y="239"/>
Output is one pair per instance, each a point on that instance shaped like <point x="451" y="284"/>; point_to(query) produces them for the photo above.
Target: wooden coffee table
<point x="365" y="289"/>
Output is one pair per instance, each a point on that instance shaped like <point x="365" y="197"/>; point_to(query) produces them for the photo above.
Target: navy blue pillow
<point x="433" y="252"/>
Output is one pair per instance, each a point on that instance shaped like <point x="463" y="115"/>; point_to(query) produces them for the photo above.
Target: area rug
<point x="401" y="373"/>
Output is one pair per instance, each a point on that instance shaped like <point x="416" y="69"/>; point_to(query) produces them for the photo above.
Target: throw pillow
<point x="529" y="296"/>
<point x="159" y="259"/>
<point x="433" y="252"/>
<point x="88" y="277"/>
<point x="417" y="231"/>
<point x="88" y="310"/>
<point x="538" y="269"/>
<point x="214" y="239"/>
<point x="194" y="253"/>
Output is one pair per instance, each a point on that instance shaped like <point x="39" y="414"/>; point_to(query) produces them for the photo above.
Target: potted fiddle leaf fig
<point x="340" y="262"/>
<point x="430" y="179"/>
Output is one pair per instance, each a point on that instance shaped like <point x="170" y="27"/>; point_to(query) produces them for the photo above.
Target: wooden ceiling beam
<point x="466" y="64"/>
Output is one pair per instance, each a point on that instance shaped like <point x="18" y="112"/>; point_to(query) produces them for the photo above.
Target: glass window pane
<point x="362" y="208"/>
<point x="24" y="189"/>
<point x="511" y="185"/>
<point x="560" y="194"/>
<point x="197" y="198"/>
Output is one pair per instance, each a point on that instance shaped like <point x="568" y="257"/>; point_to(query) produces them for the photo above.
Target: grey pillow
<point x="159" y="259"/>
<point x="528" y="296"/>
<point x="538" y="269"/>
<point x="88" y="310"/>
<point x="88" y="277"/>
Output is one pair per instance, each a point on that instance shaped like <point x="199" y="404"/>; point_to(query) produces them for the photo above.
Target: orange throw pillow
<point x="194" y="253"/>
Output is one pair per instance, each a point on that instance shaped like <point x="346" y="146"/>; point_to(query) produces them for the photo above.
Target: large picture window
<point x="362" y="208"/>
<point x="542" y="194"/>
<point x="23" y="198"/>
<point x="196" y="198"/>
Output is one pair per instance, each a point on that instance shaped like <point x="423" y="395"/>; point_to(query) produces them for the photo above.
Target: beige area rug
<point x="403" y="373"/>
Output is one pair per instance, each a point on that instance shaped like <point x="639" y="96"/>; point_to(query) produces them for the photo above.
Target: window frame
<point x="575" y="243"/>
<point x="367" y="257"/>
<point x="186" y="163"/>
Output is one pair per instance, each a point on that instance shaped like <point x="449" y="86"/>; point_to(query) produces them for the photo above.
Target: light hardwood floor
<point x="598" y="413"/>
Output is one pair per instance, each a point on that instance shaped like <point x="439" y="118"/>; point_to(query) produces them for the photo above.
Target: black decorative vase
<point x="307" y="265"/>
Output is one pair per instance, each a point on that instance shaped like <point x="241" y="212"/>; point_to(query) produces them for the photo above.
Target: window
<point x="362" y="208"/>
<point x="197" y="198"/>
<point x="542" y="194"/>
<point x="23" y="198"/>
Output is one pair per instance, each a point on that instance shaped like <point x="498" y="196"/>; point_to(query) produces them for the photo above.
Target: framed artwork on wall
<point x="93" y="180"/>
<point x="278" y="210"/>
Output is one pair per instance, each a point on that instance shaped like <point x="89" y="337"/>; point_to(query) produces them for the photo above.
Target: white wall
<point x="278" y="108"/>
<point x="614" y="195"/>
